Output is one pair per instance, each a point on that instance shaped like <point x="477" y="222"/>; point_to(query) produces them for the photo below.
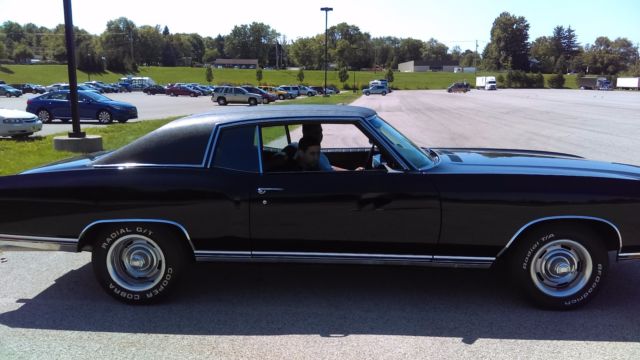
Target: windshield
<point x="409" y="151"/>
<point x="95" y="96"/>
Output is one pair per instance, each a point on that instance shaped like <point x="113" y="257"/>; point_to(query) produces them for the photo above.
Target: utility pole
<point x="475" y="67"/>
<point x="71" y="67"/>
<point x="131" y="44"/>
<point x="326" y="44"/>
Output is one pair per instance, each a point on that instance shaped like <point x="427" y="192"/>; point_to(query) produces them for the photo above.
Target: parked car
<point x="124" y="86"/>
<point x="55" y="105"/>
<point x="376" y="89"/>
<point x="321" y="91"/>
<point x="8" y="91"/>
<point x="177" y="90"/>
<point x="55" y="86"/>
<point x="204" y="90"/>
<point x="18" y="124"/>
<point x="458" y="87"/>
<point x="266" y="97"/>
<point x="281" y="94"/>
<point x="81" y="88"/>
<point x="227" y="94"/>
<point x="154" y="89"/>
<point x="293" y="90"/>
<point x="30" y="88"/>
<point x="210" y="192"/>
<point x="307" y="91"/>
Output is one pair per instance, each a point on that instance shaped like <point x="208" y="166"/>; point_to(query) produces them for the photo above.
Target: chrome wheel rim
<point x="561" y="268"/>
<point x="104" y="117"/>
<point x="136" y="263"/>
<point x="43" y="115"/>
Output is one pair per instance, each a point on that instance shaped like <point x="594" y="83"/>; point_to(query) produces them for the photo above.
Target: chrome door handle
<point x="263" y="191"/>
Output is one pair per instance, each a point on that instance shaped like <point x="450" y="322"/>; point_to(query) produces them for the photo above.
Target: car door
<point x="240" y="95"/>
<point x="59" y="105"/>
<point x="375" y="212"/>
<point x="87" y="107"/>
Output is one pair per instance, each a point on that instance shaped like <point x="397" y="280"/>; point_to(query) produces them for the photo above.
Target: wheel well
<point x="88" y="239"/>
<point x="605" y="230"/>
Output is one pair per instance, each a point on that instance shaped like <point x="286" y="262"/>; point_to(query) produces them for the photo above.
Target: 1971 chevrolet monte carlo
<point x="209" y="188"/>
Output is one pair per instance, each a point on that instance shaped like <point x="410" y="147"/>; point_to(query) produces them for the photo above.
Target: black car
<point x="30" y="88"/>
<point x="212" y="187"/>
<point x="458" y="87"/>
<point x="154" y="89"/>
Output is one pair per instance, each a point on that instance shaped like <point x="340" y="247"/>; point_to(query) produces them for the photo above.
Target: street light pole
<point x="71" y="67"/>
<point x="326" y="32"/>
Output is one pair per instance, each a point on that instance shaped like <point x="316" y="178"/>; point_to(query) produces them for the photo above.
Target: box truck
<point x="486" y="82"/>
<point x="628" y="83"/>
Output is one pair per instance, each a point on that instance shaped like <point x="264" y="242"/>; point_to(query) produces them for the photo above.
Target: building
<point x="236" y="63"/>
<point x="413" y="66"/>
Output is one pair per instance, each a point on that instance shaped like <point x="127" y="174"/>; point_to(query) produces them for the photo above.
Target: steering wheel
<point x="369" y="164"/>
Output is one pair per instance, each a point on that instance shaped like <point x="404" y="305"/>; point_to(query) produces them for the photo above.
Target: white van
<point x="382" y="82"/>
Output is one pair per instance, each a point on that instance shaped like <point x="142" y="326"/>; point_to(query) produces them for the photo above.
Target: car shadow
<point x="336" y="301"/>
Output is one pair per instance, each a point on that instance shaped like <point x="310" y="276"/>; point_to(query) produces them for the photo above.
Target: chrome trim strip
<point x="179" y="226"/>
<point x="629" y="256"/>
<point x="138" y="165"/>
<point x="259" y="149"/>
<point x="32" y="243"/>
<point x="385" y="143"/>
<point x="355" y="258"/>
<point x="578" y="217"/>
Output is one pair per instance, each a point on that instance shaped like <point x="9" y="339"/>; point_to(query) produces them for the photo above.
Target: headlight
<point x="12" y="121"/>
<point x="119" y="107"/>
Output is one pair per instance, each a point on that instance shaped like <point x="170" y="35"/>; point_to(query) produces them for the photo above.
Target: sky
<point x="459" y="22"/>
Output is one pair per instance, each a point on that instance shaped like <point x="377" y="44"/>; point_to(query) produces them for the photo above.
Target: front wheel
<point x="138" y="263"/>
<point x="253" y="102"/>
<point x="367" y="93"/>
<point x="104" y="117"/>
<point x="222" y="101"/>
<point x="560" y="267"/>
<point x="44" y="116"/>
<point x="281" y="97"/>
<point x="384" y="93"/>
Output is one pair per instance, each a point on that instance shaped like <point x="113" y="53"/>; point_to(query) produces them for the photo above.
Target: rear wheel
<point x="104" y="117"/>
<point x="281" y="97"/>
<point x="559" y="266"/>
<point x="265" y="101"/>
<point x="367" y="93"/>
<point x="139" y="263"/>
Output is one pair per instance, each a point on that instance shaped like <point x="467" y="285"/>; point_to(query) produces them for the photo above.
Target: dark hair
<point x="310" y="129"/>
<point x="307" y="142"/>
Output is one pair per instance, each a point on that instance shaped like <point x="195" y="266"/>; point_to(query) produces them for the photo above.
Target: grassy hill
<point x="48" y="74"/>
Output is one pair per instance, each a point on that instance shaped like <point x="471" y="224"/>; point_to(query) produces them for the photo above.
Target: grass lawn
<point x="48" y="74"/>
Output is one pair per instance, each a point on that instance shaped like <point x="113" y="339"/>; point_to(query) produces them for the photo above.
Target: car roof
<point x="229" y="115"/>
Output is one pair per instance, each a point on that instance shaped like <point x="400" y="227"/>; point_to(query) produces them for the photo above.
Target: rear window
<point x="183" y="143"/>
<point x="237" y="149"/>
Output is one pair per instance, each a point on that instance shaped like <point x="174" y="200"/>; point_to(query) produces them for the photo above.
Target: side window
<point x="58" y="96"/>
<point x="237" y="149"/>
<point x="238" y="91"/>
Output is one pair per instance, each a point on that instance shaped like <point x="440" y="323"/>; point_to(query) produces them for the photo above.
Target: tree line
<point x="123" y="46"/>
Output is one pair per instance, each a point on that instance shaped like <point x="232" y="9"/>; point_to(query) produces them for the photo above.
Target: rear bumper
<point x="37" y="243"/>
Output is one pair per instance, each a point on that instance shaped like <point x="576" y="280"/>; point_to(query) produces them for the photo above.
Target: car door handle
<point x="263" y="191"/>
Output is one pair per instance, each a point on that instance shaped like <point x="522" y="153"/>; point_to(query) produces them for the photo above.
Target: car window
<point x="237" y="149"/>
<point x="238" y="91"/>
<point x="58" y="96"/>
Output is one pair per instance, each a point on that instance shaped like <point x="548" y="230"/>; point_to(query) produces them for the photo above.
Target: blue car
<point x="55" y="105"/>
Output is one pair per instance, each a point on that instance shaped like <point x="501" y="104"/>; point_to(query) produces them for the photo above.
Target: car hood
<point x="75" y="163"/>
<point x="15" y="114"/>
<point x="527" y="162"/>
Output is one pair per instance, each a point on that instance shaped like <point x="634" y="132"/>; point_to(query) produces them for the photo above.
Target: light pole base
<point x="88" y="144"/>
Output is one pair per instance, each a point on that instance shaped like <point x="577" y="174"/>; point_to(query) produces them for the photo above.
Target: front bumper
<point x="125" y="114"/>
<point x="20" y="129"/>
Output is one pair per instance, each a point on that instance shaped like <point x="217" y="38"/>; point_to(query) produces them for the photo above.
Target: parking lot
<point x="52" y="307"/>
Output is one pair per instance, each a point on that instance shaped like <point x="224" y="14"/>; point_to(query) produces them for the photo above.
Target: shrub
<point x="500" y="80"/>
<point x="556" y="81"/>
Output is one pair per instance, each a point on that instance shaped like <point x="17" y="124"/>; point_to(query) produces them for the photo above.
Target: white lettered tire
<point x="139" y="263"/>
<point x="560" y="266"/>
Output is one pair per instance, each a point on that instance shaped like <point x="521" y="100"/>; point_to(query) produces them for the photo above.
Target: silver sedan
<point x="17" y="124"/>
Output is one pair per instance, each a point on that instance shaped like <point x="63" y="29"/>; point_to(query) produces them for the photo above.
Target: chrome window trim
<point x="28" y="243"/>
<point x="628" y="256"/>
<point x="561" y="217"/>
<point x="139" y="220"/>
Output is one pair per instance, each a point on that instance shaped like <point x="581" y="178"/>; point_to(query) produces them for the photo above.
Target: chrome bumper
<point x="37" y="243"/>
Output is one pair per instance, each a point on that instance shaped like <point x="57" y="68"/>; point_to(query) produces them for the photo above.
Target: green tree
<point x="410" y="49"/>
<point x="435" y="51"/>
<point x="3" y="51"/>
<point x="150" y="45"/>
<point x="118" y="42"/>
<point x="343" y="74"/>
<point x="300" y="75"/>
<point x="259" y="75"/>
<point x="307" y="53"/>
<point x="509" y="46"/>
<point x="22" y="54"/>
<point x="389" y="75"/>
<point x="208" y="75"/>
<point x="251" y="41"/>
